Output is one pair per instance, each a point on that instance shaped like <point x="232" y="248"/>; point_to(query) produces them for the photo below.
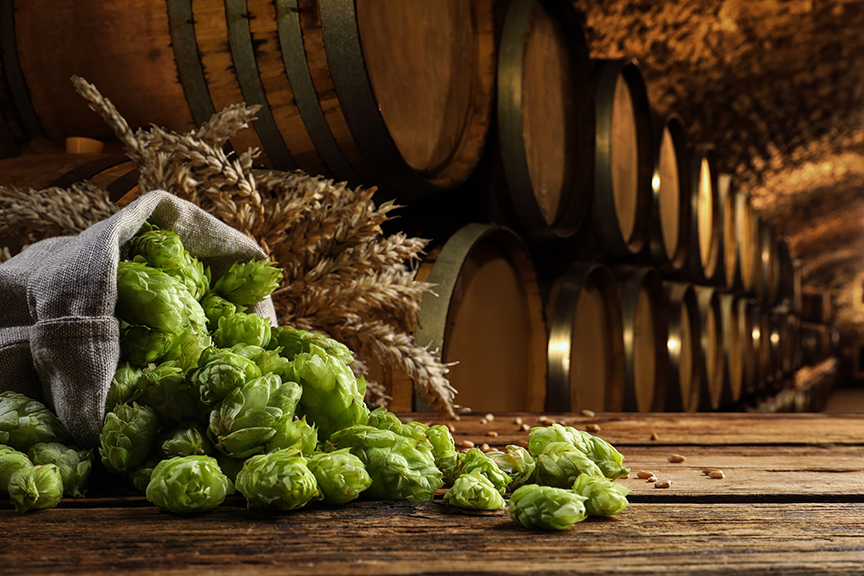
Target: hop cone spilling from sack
<point x="341" y="276"/>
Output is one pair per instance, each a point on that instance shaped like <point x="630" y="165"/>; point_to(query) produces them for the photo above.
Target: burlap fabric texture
<point x="59" y="339"/>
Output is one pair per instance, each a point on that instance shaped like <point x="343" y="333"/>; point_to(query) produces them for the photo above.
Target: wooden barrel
<point x="623" y="161"/>
<point x="643" y="309"/>
<point x="747" y="241"/>
<point x="769" y="265"/>
<point x="488" y="317"/>
<point x="795" y="341"/>
<point x="733" y="315"/>
<point x="785" y="272"/>
<point x="816" y="305"/>
<point x="545" y="120"/>
<point x="586" y="342"/>
<point x="705" y="223"/>
<point x="797" y="285"/>
<point x="683" y="344"/>
<point x="816" y="343"/>
<point x="766" y="354"/>
<point x="748" y="335"/>
<point x="710" y="348"/>
<point x="781" y="345"/>
<point x="115" y="173"/>
<point x="388" y="93"/>
<point x="735" y="242"/>
<point x="669" y="224"/>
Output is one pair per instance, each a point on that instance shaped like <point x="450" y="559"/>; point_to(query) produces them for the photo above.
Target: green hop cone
<point x="296" y="434"/>
<point x="219" y="372"/>
<point x="24" y="422"/>
<point x="128" y="434"/>
<point x="561" y="463"/>
<point x="546" y="507"/>
<point x="540" y="437"/>
<point x="383" y="419"/>
<point x="247" y="418"/>
<point x="475" y="491"/>
<point x="11" y="461"/>
<point x="230" y="466"/>
<point x="242" y="328"/>
<point x="187" y="484"/>
<point x="517" y="463"/>
<point x="35" y="488"/>
<point x="292" y="341"/>
<point x="165" y="389"/>
<point x="248" y="283"/>
<point x="74" y="465"/>
<point x="268" y="361"/>
<point x="476" y="461"/>
<point x="140" y="477"/>
<point x="187" y="348"/>
<point x="603" y="498"/>
<point x="142" y="345"/>
<point x="277" y="481"/>
<point x="341" y="476"/>
<point x="124" y="386"/>
<point x="332" y="398"/>
<point x="400" y="467"/>
<point x="608" y="459"/>
<point x="147" y="296"/>
<point x="163" y="249"/>
<point x="216" y="307"/>
<point x="444" y="452"/>
<point x="185" y="440"/>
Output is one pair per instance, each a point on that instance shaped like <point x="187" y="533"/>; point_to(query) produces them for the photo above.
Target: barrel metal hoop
<point x="510" y="119"/>
<point x="305" y="97"/>
<point x="359" y="105"/>
<point x="243" y="55"/>
<point x="14" y="74"/>
<point x="88" y="170"/>
<point x="119" y="187"/>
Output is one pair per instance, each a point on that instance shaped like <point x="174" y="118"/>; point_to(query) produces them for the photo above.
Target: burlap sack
<point x="59" y="339"/>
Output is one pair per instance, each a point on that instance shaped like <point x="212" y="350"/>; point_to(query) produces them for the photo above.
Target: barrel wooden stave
<point x="706" y="228"/>
<point x="711" y="348"/>
<point x="684" y="341"/>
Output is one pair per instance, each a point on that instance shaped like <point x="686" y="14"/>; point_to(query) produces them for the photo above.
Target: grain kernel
<point x="716" y="474"/>
<point x="466" y="444"/>
<point x="451" y="427"/>
<point x="490" y="417"/>
<point x="651" y="479"/>
<point x="588" y="413"/>
<point x="483" y="420"/>
<point x="492" y="434"/>
<point x="676" y="458"/>
<point x="644" y="474"/>
<point x="522" y="443"/>
<point x="655" y="436"/>
<point x="526" y="427"/>
<point x="593" y="428"/>
<point x="708" y="471"/>
<point x="663" y="484"/>
<point x="464" y="410"/>
<point x="485" y="447"/>
<point x="518" y="421"/>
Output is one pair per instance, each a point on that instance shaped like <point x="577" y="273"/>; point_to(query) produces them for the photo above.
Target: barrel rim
<point x="558" y="383"/>
<point x="683" y="293"/>
<point x="603" y="211"/>
<point x="704" y="272"/>
<point x="511" y="142"/>
<point x="444" y="275"/>
<point x="655" y="243"/>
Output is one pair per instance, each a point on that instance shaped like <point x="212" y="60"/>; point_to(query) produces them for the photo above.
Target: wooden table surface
<point x="792" y="502"/>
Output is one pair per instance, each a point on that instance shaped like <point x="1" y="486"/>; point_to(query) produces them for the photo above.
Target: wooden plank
<point x="674" y="429"/>
<point x="406" y="538"/>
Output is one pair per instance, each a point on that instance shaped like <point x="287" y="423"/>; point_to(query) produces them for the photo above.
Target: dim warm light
<point x="673" y="344"/>
<point x="755" y="334"/>
<point x="655" y="182"/>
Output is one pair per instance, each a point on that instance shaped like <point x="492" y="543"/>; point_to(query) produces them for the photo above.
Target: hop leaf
<point x="517" y="463"/>
<point x="128" y="434"/>
<point x="295" y="434"/>
<point x="341" y="476"/>
<point x="187" y="484"/>
<point x="147" y="296"/>
<point x="248" y="417"/>
<point x="476" y="461"/>
<point x="546" y="507"/>
<point x="248" y="283"/>
<point x="242" y="328"/>
<point x="74" y="465"/>
<point x="24" y="422"/>
<point x="277" y="481"/>
<point x="35" y="488"/>
<point x="331" y="399"/>
<point x="11" y="461"/>
<point x="475" y="491"/>
<point x="561" y="463"/>
<point x="399" y="469"/>
<point x="603" y="498"/>
<point x="163" y="249"/>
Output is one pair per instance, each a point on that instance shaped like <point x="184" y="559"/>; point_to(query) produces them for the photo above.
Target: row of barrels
<point x="599" y="337"/>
